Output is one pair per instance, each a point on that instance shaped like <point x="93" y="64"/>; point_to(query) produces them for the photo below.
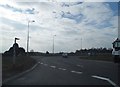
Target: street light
<point x="53" y="43"/>
<point x="81" y="43"/>
<point x="28" y="36"/>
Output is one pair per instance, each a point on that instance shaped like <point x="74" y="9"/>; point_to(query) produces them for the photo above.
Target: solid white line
<point x="62" y="69"/>
<point x="100" y="77"/>
<point x="106" y="79"/>
<point x="112" y="83"/>
<point x="53" y="66"/>
<point x="76" y="72"/>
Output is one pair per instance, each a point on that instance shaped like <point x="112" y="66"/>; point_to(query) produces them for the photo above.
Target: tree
<point x="21" y="51"/>
<point x="47" y="52"/>
<point x="18" y="50"/>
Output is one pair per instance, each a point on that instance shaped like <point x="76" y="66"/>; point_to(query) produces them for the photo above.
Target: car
<point x="65" y="55"/>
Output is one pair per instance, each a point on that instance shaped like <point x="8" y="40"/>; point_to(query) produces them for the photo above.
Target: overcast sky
<point x="95" y="22"/>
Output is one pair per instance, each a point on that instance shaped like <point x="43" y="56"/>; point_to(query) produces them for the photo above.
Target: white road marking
<point x="72" y="71"/>
<point x="106" y="79"/>
<point x="80" y="65"/>
<point x="76" y="72"/>
<point x="41" y="63"/>
<point x="53" y="66"/>
<point x="62" y="69"/>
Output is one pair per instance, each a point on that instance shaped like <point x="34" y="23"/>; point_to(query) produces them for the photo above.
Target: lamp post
<point x="28" y="36"/>
<point x="81" y="43"/>
<point x="53" y="43"/>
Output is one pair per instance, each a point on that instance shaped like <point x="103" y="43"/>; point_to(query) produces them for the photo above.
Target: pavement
<point x="56" y="70"/>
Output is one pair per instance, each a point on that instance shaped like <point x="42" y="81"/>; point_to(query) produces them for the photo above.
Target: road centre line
<point x="41" y="63"/>
<point x="80" y="65"/>
<point x="62" y="69"/>
<point x="53" y="66"/>
<point x="106" y="79"/>
<point x="76" y="72"/>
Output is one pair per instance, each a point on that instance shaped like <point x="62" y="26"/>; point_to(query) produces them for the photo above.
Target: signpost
<point x="14" y="52"/>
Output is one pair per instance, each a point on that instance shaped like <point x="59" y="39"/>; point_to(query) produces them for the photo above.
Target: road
<point x="56" y="70"/>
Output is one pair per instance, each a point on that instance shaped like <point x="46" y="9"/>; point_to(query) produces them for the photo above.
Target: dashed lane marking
<point x="53" y="66"/>
<point x="41" y="63"/>
<point x="62" y="69"/>
<point x="106" y="79"/>
<point x="76" y="72"/>
<point x="80" y="65"/>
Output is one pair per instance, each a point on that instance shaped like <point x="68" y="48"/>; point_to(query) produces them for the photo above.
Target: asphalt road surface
<point x="57" y="70"/>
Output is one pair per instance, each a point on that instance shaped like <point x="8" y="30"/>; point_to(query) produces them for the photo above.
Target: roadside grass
<point x="101" y="57"/>
<point x="22" y="63"/>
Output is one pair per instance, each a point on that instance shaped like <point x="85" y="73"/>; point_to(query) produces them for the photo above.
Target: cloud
<point x="94" y="22"/>
<point x="67" y="0"/>
<point x="26" y="11"/>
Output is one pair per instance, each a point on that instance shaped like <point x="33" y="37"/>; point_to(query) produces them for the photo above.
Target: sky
<point x="76" y="25"/>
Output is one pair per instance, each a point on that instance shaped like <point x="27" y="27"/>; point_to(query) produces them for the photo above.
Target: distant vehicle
<point x="65" y="55"/>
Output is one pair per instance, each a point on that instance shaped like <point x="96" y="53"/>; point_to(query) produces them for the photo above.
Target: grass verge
<point x="101" y="57"/>
<point x="22" y="63"/>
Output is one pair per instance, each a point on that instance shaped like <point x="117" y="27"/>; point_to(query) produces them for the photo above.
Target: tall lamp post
<point x="53" y="43"/>
<point x="28" y="35"/>
<point x="81" y="46"/>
